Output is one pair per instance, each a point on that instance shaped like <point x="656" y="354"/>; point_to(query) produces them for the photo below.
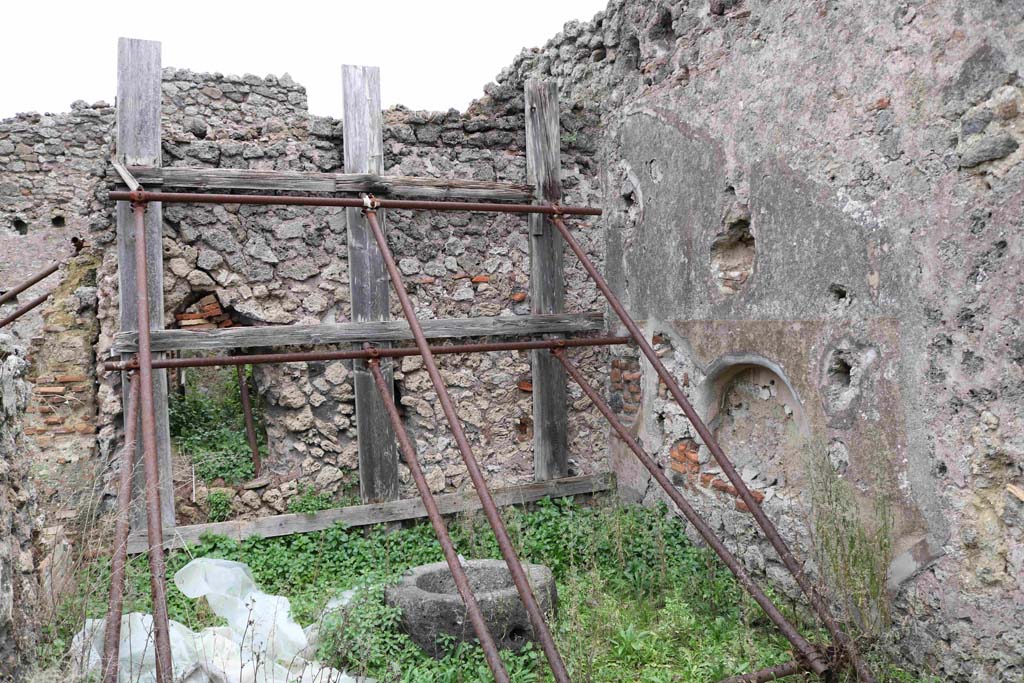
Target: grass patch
<point x="637" y="600"/>
<point x="207" y="424"/>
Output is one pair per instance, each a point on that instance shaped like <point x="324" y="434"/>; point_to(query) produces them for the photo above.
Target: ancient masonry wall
<point x="18" y="580"/>
<point x="287" y="266"/>
<point x="815" y="209"/>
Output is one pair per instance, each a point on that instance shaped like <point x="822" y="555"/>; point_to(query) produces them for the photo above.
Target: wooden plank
<point x="300" y="181"/>
<point x="138" y="143"/>
<point x="374" y="331"/>
<point x="547" y="285"/>
<point x="377" y="513"/>
<point x="368" y="282"/>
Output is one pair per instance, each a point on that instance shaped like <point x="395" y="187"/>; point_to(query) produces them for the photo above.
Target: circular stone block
<point x="432" y="607"/>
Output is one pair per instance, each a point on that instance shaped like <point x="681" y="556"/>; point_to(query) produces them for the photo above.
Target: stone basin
<point x="432" y="608"/>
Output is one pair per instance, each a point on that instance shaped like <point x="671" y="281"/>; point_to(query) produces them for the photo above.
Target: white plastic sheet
<point x="260" y="644"/>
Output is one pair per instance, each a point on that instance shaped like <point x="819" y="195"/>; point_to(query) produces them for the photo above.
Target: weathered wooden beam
<point x="363" y="140"/>
<point x="547" y="283"/>
<point x="138" y="143"/>
<point x="405" y="187"/>
<point x="358" y="333"/>
<point x="377" y="513"/>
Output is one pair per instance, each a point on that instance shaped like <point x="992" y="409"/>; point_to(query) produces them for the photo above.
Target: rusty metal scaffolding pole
<point x="24" y="309"/>
<point x="112" y="632"/>
<point x="515" y="567"/>
<point x="772" y="673"/>
<point x="391" y="352"/>
<point x="11" y="293"/>
<point x="250" y="426"/>
<point x="349" y="202"/>
<point x="807" y="651"/>
<point x="451" y="556"/>
<point x="772" y="534"/>
<point x="154" y="523"/>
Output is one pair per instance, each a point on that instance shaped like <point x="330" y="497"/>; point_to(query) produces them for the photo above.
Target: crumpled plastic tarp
<point x="260" y="644"/>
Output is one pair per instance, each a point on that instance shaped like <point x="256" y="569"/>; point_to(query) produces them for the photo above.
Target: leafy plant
<point x="637" y="600"/>
<point x="309" y="501"/>
<point x="208" y="424"/>
<point x="854" y="545"/>
<point x="218" y="506"/>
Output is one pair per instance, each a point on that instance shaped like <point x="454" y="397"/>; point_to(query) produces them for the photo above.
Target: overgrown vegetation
<point x="309" y="501"/>
<point x="218" y="506"/>
<point x="854" y="545"/>
<point x="637" y="600"/>
<point x="207" y="424"/>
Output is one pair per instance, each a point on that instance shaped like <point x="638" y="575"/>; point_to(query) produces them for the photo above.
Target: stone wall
<point x="817" y="207"/>
<point x="18" y="581"/>
<point x="278" y="265"/>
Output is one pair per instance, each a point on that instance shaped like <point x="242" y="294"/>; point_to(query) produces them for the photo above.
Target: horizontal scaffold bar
<point x="373" y="352"/>
<point x="375" y="513"/>
<point x="373" y="331"/>
<point x="350" y="202"/>
<point x="272" y="180"/>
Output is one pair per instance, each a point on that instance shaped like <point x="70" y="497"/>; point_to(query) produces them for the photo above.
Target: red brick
<point x="50" y="390"/>
<point x="685" y="466"/>
<point x="518" y="296"/>
<point x="723" y="486"/>
<point x="66" y="379"/>
<point x="741" y="506"/>
<point x="631" y="376"/>
<point x="480" y="279"/>
<point x="706" y="479"/>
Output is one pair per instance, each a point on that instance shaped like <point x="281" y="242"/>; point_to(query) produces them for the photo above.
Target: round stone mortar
<point x="431" y="605"/>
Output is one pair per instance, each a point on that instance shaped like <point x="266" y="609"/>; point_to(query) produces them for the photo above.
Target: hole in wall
<point x="396" y="391"/>
<point x="57" y="221"/>
<point x="20" y="226"/>
<point x="732" y="256"/>
<point x="839" y="298"/>
<point x="839" y="293"/>
<point x="517" y="634"/>
<point x="844" y="374"/>
<point x="839" y="371"/>
<point x="598" y="55"/>
<point x="630" y="59"/>
<point x="759" y="421"/>
<point x="662" y="27"/>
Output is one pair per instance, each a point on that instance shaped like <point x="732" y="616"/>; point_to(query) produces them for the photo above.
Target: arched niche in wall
<point x="758" y="418"/>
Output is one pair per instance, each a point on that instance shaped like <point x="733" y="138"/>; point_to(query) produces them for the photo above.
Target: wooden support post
<point x="547" y="287"/>
<point x="138" y="144"/>
<point x="364" y="153"/>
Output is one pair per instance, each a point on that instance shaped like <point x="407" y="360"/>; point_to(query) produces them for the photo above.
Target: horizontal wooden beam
<point x="377" y="513"/>
<point x="351" y="333"/>
<point x="300" y="181"/>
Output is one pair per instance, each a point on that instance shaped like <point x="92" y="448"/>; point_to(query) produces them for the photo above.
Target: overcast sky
<point x="432" y="55"/>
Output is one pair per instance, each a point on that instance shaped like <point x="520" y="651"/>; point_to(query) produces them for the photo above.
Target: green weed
<point x="637" y="600"/>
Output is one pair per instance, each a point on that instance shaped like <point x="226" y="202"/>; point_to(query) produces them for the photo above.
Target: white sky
<point x="432" y="55"/>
